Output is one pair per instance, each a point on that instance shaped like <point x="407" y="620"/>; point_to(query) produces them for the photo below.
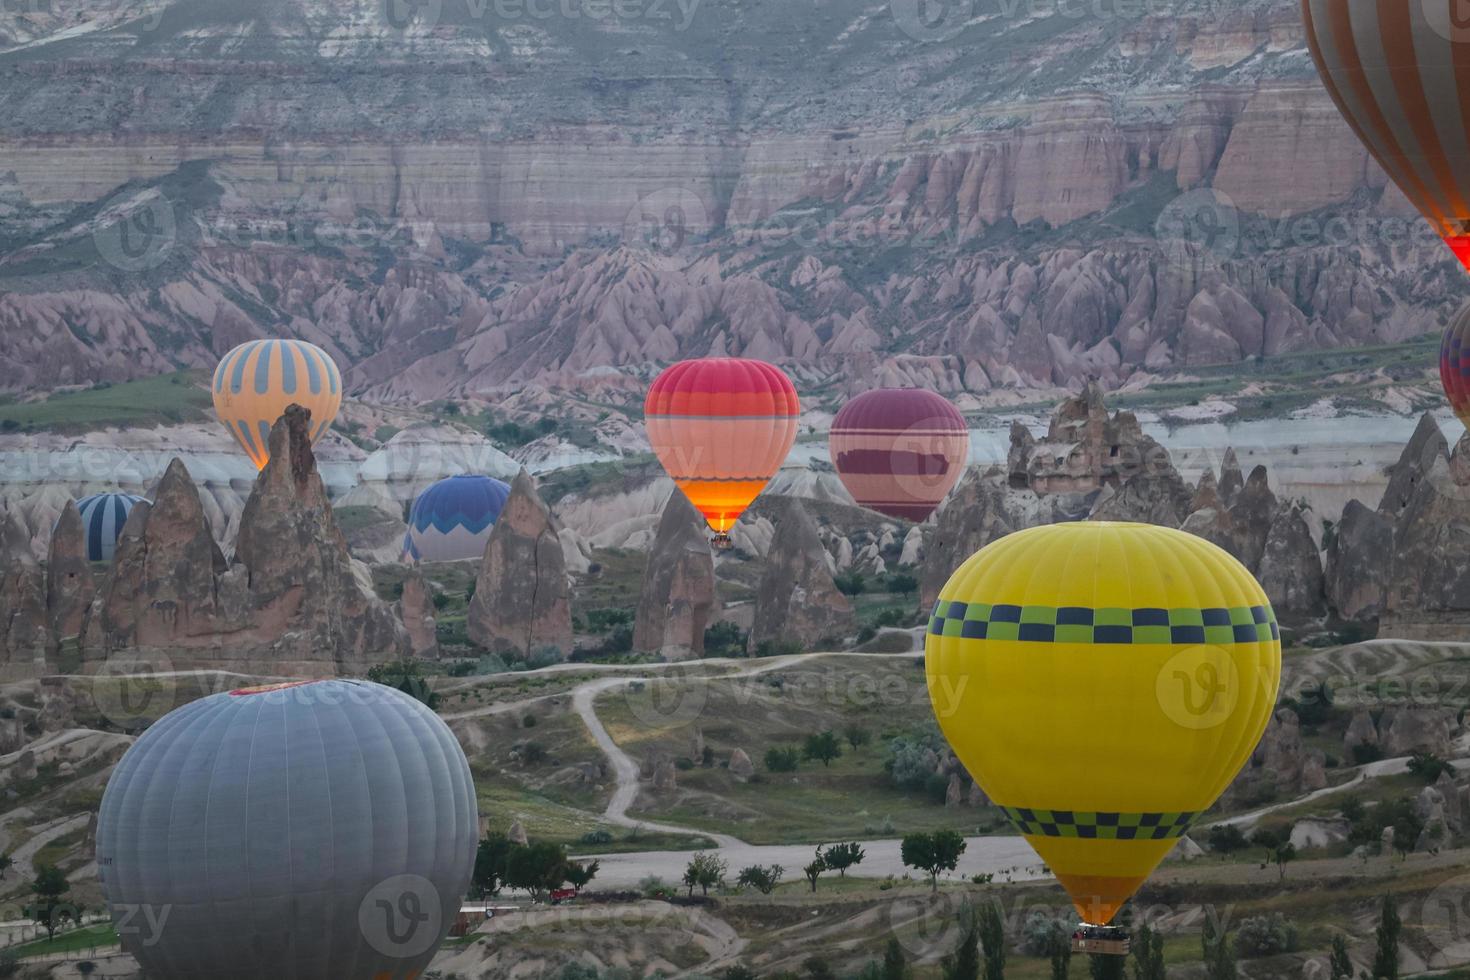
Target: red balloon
<point x="899" y="451"/>
<point x="1454" y="364"/>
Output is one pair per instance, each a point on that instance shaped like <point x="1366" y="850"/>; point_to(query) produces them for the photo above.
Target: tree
<point x="857" y="736"/>
<point x="1148" y="954"/>
<point x="840" y="857"/>
<point x="814" y="870"/>
<point x="5" y="863"/>
<point x="1428" y="766"/>
<point x="1059" y="951"/>
<point x="850" y="582"/>
<point x="818" y="969"/>
<point x="1279" y="848"/>
<point x="1226" y="838"/>
<point x="707" y="869"/>
<point x="932" y="853"/>
<point x="763" y="880"/>
<point x="49" y="906"/>
<point x="1219" y="955"/>
<point x="781" y="759"/>
<point x="1386" y="959"/>
<point x="992" y="929"/>
<point x="902" y="584"/>
<point x="1107" y="967"/>
<point x="1340" y="964"/>
<point x="895" y="967"/>
<point x="489" y="874"/>
<point x="822" y="747"/>
<point x="405" y="676"/>
<point x="964" y="962"/>
<point x="536" y="868"/>
<point x="580" y="875"/>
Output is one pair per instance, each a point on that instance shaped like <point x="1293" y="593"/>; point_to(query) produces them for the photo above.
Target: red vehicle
<point x="559" y="895"/>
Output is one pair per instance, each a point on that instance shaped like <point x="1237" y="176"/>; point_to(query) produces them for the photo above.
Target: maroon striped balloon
<point x="899" y="450"/>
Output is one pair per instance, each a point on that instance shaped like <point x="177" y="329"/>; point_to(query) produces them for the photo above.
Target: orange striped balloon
<point x="721" y="427"/>
<point x="1399" y="70"/>
<point x="256" y="381"/>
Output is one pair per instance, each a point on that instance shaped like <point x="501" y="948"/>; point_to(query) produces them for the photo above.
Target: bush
<point x="1428" y="766"/>
<point x="782" y="758"/>
<point x="1042" y="932"/>
<point x="851" y="582"/>
<point x="596" y="837"/>
<point x="1265" y="935"/>
<point x="529" y="721"/>
<point x="724" y="639"/>
<point x="902" y="584"/>
<point x="1226" y="839"/>
<point x="1364" y="754"/>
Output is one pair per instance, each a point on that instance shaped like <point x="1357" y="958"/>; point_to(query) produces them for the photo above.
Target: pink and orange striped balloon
<point x="721" y="427"/>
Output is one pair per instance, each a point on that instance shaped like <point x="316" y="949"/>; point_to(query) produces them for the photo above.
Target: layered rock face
<point x="797" y="602"/>
<point x="677" y="600"/>
<point x="69" y="583"/>
<point x="293" y="602"/>
<point x="522" y="604"/>
<point x="23" y="634"/>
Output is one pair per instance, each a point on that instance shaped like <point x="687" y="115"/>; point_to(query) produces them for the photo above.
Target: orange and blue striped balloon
<point x="257" y="381"/>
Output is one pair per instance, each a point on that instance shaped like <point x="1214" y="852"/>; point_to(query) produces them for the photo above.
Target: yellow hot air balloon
<point x="1103" y="683"/>
<point x="256" y="381"/>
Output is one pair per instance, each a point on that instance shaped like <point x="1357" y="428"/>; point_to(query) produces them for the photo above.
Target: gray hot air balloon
<point x="324" y="830"/>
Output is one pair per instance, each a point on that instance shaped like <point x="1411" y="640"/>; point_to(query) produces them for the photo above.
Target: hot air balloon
<point x="721" y="427"/>
<point x="1400" y="74"/>
<point x="1454" y="364"/>
<point x="321" y="830"/>
<point x="103" y="517"/>
<point x="452" y="519"/>
<point x="1103" y="683"/>
<point x="899" y="451"/>
<point x="256" y="381"/>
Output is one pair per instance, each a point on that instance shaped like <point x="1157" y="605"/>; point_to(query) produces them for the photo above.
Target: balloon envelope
<point x="1454" y="364"/>
<point x="1400" y="73"/>
<point x="1103" y="683"/>
<point x="721" y="427"/>
<point x="257" y="381"/>
<point x="899" y="451"/>
<point x="103" y="517"/>
<point x="452" y="519"/>
<point x="319" y="830"/>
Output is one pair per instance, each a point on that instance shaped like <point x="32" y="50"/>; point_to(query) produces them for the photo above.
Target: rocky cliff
<point x="1061" y="199"/>
<point x="677" y="599"/>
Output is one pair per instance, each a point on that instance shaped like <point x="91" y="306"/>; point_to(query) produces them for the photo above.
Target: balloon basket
<point x="722" y="542"/>
<point x="1100" y="940"/>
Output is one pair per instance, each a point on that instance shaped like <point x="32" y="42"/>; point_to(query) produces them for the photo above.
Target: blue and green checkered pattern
<point x="1078" y="624"/>
<point x="1099" y="826"/>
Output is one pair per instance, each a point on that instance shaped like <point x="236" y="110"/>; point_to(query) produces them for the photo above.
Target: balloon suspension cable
<point x="1101" y="940"/>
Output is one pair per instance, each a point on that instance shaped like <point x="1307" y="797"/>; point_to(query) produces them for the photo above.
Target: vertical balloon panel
<point x="256" y="382"/>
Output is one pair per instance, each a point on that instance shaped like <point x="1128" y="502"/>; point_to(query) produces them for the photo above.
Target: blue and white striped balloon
<point x="103" y="517"/>
<point x="452" y="519"/>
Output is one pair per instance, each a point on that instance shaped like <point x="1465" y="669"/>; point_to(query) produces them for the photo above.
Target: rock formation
<point x="309" y="599"/>
<point x="1428" y="593"/>
<point x="416" y="610"/>
<point x="1280" y="766"/>
<point x="522" y="604"/>
<point x="677" y="600"/>
<point x="69" y="583"/>
<point x="1408" y="730"/>
<point x="1231" y="481"/>
<point x="163" y="590"/>
<point x="1360" y="731"/>
<point x="1086" y="449"/>
<point x="1290" y="569"/>
<point x="1426" y="446"/>
<point x="23" y="635"/>
<point x="1359" y="558"/>
<point x="293" y="602"/>
<point x="1252" y="513"/>
<point x="740" y="765"/>
<point x="973" y="516"/>
<point x="797" y="602"/>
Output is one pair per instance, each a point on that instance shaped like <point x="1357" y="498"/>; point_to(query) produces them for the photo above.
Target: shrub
<point x="851" y="582"/>
<point x="1265" y="935"/>
<point x="595" y="837"/>
<point x="1364" y="754"/>
<point x="782" y="758"/>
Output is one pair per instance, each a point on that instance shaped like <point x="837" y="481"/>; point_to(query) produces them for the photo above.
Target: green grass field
<point x="167" y="398"/>
<point x="99" y="936"/>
